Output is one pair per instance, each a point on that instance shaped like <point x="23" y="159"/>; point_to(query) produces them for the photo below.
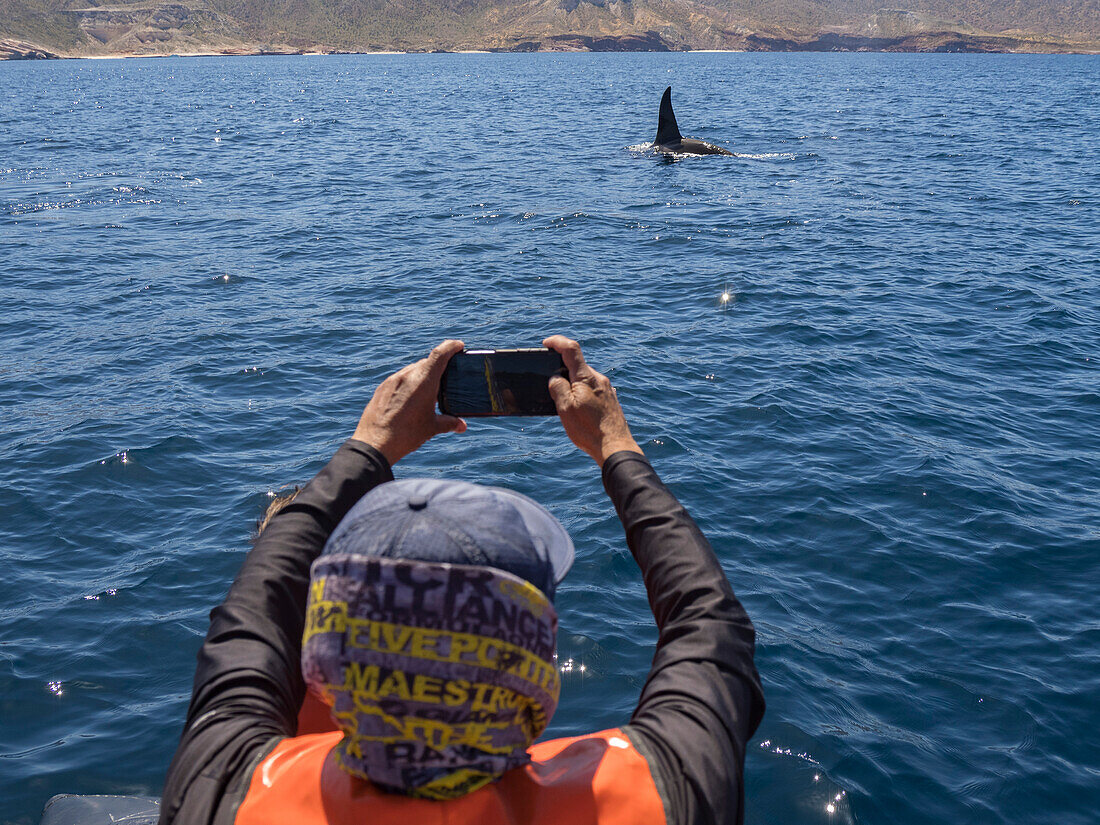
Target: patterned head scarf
<point x="439" y="675"/>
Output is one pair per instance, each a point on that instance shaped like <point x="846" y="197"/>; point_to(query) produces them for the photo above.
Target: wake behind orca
<point x="670" y="142"/>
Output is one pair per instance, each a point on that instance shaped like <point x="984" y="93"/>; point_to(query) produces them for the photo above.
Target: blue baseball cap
<point x="456" y="522"/>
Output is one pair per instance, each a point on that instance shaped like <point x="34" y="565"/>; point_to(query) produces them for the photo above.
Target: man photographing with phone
<point x="386" y="653"/>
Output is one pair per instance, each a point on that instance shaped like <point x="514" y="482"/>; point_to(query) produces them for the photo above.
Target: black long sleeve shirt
<point x="700" y="704"/>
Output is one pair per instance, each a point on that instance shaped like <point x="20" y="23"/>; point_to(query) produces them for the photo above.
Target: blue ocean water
<point x="889" y="431"/>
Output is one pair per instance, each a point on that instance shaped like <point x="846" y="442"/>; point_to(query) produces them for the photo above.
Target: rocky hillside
<point x="36" y="28"/>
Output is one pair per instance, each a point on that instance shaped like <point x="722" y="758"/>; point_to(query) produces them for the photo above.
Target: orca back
<point x="668" y="133"/>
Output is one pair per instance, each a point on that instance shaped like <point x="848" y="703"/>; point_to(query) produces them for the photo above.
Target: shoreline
<point x="21" y="50"/>
<point x="1091" y="53"/>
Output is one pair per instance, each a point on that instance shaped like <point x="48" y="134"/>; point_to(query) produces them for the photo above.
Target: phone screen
<point x="500" y="382"/>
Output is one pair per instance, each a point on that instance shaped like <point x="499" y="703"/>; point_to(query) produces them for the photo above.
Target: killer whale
<point x="669" y="141"/>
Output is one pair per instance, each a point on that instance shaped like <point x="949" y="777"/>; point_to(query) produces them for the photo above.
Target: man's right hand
<point x="401" y="415"/>
<point x="588" y="406"/>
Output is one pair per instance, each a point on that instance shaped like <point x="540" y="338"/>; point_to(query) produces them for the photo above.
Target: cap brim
<point x="542" y="525"/>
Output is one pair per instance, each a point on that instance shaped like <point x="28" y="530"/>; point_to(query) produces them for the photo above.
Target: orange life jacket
<point x="598" y="779"/>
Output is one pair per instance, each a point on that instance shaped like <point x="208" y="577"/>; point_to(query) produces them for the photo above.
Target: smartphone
<point x="480" y="382"/>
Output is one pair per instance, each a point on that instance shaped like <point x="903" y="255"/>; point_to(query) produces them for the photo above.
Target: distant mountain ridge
<point x="45" y="28"/>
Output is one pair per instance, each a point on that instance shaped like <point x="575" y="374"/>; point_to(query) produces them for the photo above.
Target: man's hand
<point x="401" y="416"/>
<point x="588" y="406"/>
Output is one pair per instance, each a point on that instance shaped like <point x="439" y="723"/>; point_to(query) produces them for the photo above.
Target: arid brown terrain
<point x="68" y="28"/>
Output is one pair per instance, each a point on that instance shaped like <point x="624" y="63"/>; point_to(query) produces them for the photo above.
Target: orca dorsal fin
<point x="668" y="133"/>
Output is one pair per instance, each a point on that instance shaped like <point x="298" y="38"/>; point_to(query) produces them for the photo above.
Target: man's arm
<point x="248" y="685"/>
<point x="702" y="700"/>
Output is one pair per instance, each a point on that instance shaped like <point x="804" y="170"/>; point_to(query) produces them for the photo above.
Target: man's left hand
<point x="401" y="416"/>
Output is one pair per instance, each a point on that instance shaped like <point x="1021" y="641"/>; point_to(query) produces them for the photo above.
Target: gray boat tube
<point x="68" y="809"/>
